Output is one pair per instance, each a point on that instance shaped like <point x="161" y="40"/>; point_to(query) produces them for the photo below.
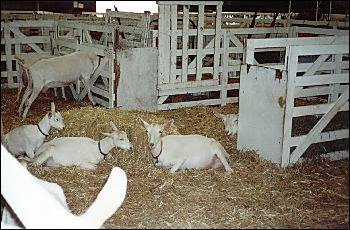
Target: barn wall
<point x="52" y="6"/>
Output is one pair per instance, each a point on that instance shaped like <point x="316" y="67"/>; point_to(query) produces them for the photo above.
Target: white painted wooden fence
<point x="72" y="36"/>
<point x="16" y="41"/>
<point x="62" y="37"/>
<point x="326" y="73"/>
<point x="206" y="60"/>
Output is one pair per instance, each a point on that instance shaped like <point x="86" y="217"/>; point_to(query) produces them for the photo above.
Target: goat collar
<point x="160" y="152"/>
<point x="41" y="131"/>
<point x="99" y="148"/>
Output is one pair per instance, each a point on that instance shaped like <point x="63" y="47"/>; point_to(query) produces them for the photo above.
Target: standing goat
<point x="184" y="151"/>
<point x="80" y="151"/>
<point x="230" y="122"/>
<point x="28" y="138"/>
<point x="23" y="72"/>
<point x="57" y="72"/>
<point x="44" y="204"/>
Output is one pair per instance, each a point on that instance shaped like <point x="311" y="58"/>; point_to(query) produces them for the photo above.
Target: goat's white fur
<point x="57" y="72"/>
<point x="80" y="151"/>
<point x="40" y="209"/>
<point x="28" y="138"/>
<point x="230" y="122"/>
<point x="29" y="61"/>
<point x="184" y="151"/>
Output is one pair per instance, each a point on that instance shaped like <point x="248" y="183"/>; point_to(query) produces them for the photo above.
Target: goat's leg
<point x="63" y="93"/>
<point x="25" y="96"/>
<point x="32" y="97"/>
<point x="30" y="152"/>
<point x="87" y="87"/>
<point x="176" y="166"/>
<point x="43" y="157"/>
<point x="222" y="158"/>
<point x="87" y="165"/>
<point x="55" y="89"/>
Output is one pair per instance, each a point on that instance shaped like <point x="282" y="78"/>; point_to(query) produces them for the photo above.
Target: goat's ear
<point x="50" y="114"/>
<point x="218" y="115"/>
<point x="168" y="124"/>
<point x="114" y="127"/>
<point x="52" y="107"/>
<point x="145" y="124"/>
<point x="107" y="134"/>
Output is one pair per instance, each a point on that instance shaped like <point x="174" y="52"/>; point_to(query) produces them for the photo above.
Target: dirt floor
<point x="257" y="194"/>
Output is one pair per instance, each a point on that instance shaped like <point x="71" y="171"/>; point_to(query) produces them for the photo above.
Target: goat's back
<point x="196" y="148"/>
<point x="66" y="68"/>
<point x="72" y="149"/>
<point x="19" y="139"/>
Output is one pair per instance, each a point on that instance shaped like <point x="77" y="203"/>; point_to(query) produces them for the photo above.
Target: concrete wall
<point x="138" y="79"/>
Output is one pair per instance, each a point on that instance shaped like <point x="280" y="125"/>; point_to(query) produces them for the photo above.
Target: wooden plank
<point x="189" y="2"/>
<point x="289" y="105"/>
<point x="283" y="42"/>
<point x="217" y="53"/>
<point x="163" y="44"/>
<point x="173" y="44"/>
<point x="8" y="53"/>
<point x="195" y="103"/>
<point x="322" y="137"/>
<point x="337" y="60"/>
<point x="224" y="75"/>
<point x="321" y="124"/>
<point x="316" y="65"/>
<point x="316" y="109"/>
<point x="316" y="91"/>
<point x="322" y="79"/>
<point x="184" y="70"/>
<point x="19" y="34"/>
<point x="31" y="39"/>
<point x="188" y="84"/>
<point x="197" y="89"/>
<point x="200" y="42"/>
<point x="87" y="36"/>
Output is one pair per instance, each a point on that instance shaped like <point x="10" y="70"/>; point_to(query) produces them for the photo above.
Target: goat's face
<point x="230" y="122"/>
<point x="120" y="140"/>
<point x="154" y="132"/>
<point x="55" y="120"/>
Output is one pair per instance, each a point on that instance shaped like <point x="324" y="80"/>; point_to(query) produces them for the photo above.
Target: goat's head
<point x="230" y="122"/>
<point x="120" y="138"/>
<point x="55" y="118"/>
<point x="154" y="132"/>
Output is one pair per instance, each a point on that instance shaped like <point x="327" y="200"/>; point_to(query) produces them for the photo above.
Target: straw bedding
<point x="257" y="194"/>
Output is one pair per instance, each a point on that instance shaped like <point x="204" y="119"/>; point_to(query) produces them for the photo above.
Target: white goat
<point x="44" y="204"/>
<point x="80" y="151"/>
<point x="23" y="72"/>
<point x="57" y="72"/>
<point x="230" y="122"/>
<point x="184" y="151"/>
<point x="28" y="138"/>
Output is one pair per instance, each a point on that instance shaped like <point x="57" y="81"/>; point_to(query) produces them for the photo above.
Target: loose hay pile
<point x="257" y="194"/>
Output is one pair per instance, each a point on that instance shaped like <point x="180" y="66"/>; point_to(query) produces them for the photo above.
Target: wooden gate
<point x="310" y="85"/>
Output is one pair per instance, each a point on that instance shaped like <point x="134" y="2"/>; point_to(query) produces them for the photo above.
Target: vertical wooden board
<point x="217" y="41"/>
<point x="8" y="53"/>
<point x="200" y="41"/>
<point x="185" y="44"/>
<point x="164" y="44"/>
<point x="18" y="53"/>
<point x="288" y="115"/>
<point x="173" y="45"/>
<point x="224" y="74"/>
<point x="137" y="87"/>
<point x="260" y="124"/>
